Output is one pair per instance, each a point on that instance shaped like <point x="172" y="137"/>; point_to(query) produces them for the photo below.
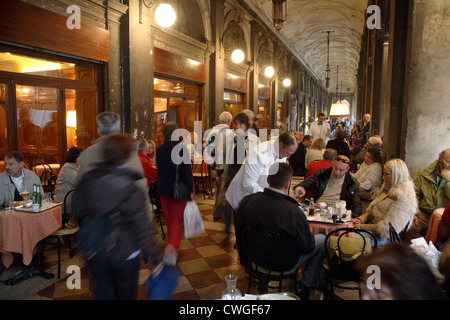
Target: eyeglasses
<point x="343" y="160"/>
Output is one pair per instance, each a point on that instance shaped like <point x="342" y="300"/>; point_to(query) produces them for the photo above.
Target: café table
<point x="437" y="232"/>
<point x="323" y="225"/>
<point x="22" y="232"/>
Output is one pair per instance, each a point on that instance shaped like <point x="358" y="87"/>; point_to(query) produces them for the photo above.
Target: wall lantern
<point x="287" y="82"/>
<point x="237" y="56"/>
<point x="279" y="13"/>
<point x="165" y="15"/>
<point x="269" y="71"/>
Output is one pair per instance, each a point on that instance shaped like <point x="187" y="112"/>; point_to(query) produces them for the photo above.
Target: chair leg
<point x="70" y="247"/>
<point x="58" y="244"/>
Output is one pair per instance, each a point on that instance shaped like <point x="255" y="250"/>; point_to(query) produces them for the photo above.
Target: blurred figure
<point x="109" y="193"/>
<point x="67" y="180"/>
<point x="173" y="209"/>
<point x="17" y="179"/>
<point x="404" y="274"/>
<point x="108" y="122"/>
<point x="150" y="171"/>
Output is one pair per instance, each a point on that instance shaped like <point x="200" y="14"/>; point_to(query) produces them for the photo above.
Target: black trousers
<point x="115" y="281"/>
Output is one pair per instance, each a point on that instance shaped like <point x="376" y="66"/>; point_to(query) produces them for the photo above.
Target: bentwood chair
<point x="267" y="258"/>
<point x="343" y="247"/>
<point x="155" y="201"/>
<point x="397" y="237"/>
<point x="202" y="178"/>
<point x="64" y="234"/>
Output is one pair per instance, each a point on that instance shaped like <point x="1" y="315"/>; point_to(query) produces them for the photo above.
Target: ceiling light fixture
<point x="328" y="70"/>
<point x="279" y="13"/>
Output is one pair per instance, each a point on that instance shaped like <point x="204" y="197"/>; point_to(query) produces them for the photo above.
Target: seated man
<point x="297" y="160"/>
<point x="275" y="210"/>
<point x="332" y="184"/>
<point x="150" y="172"/>
<point x="17" y="179"/>
<point x="328" y="157"/>
<point x="432" y="185"/>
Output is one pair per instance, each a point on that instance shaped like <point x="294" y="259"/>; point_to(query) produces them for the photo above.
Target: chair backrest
<point x="66" y="198"/>
<point x="266" y="250"/>
<point x="51" y="184"/>
<point x="398" y="237"/>
<point x="343" y="247"/>
<point x="153" y="193"/>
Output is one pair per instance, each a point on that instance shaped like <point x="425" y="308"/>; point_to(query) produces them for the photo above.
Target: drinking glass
<point x="25" y="195"/>
<point x="9" y="206"/>
<point x="48" y="198"/>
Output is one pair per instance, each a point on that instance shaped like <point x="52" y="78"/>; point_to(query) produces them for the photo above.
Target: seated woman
<point x="395" y="203"/>
<point x="369" y="174"/>
<point x="68" y="179"/>
<point x="316" y="152"/>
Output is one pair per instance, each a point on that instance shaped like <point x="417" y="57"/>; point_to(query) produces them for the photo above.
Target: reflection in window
<point x="37" y="119"/>
<point x="42" y="67"/>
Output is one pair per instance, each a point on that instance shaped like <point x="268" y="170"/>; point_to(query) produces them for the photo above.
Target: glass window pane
<point x="3" y="130"/>
<point x="80" y="118"/>
<point x="37" y="121"/>
<point x="43" y="67"/>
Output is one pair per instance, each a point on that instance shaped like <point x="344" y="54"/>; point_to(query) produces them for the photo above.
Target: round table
<point x="20" y="232"/>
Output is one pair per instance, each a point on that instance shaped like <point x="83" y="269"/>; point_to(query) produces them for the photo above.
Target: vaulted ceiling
<point x="304" y="31"/>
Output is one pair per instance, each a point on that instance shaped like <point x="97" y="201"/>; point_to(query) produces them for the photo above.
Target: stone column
<point x="428" y="129"/>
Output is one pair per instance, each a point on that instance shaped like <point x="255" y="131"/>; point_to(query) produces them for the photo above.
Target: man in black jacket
<point x="274" y="210"/>
<point x="297" y="160"/>
<point x="331" y="184"/>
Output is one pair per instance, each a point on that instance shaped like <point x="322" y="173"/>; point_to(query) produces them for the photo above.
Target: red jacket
<point x="446" y="216"/>
<point x="313" y="166"/>
<point x="150" y="172"/>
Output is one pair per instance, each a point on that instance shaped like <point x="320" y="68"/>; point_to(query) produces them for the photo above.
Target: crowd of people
<point x="252" y="177"/>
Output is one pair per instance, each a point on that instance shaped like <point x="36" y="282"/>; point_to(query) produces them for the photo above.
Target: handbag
<point x="163" y="285"/>
<point x="180" y="190"/>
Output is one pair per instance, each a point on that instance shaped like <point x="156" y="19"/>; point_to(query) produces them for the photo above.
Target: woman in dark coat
<point x="173" y="209"/>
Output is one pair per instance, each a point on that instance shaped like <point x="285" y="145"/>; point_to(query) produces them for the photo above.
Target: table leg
<point x="34" y="269"/>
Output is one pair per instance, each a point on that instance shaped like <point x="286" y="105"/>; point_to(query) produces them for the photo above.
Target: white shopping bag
<point x="193" y="223"/>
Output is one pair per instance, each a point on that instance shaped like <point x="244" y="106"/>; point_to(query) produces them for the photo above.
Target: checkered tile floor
<point x="203" y="261"/>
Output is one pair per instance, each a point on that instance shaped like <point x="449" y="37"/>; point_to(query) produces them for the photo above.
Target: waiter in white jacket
<point x="252" y="176"/>
<point x="320" y="129"/>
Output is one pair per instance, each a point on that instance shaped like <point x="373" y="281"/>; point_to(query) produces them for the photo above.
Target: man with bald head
<point x="432" y="185"/>
<point x="331" y="184"/>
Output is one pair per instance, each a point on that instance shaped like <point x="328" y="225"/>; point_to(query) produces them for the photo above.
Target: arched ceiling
<point x="305" y="28"/>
